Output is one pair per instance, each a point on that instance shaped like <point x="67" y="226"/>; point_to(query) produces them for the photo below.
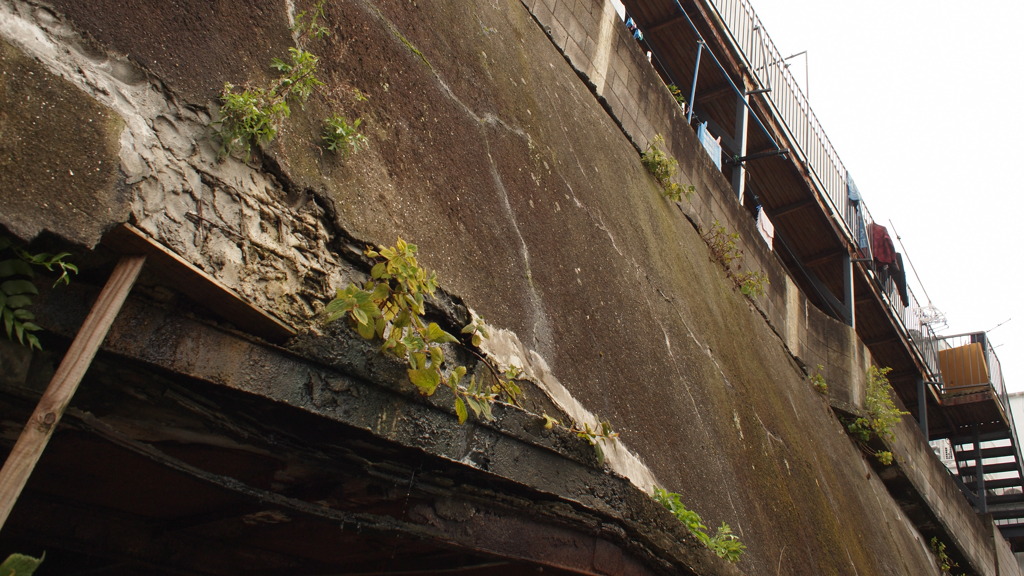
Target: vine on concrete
<point x="390" y="307"/>
<point x="17" y="271"/>
<point x="725" y="251"/>
<point x="663" y="167"/>
<point x="946" y="564"/>
<point x="880" y="414"/>
<point x="723" y="543"/>
<point x="252" y="115"/>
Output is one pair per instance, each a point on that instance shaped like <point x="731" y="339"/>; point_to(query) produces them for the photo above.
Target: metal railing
<point x="812" y="146"/>
<point x="788" y="101"/>
<point x="968" y="362"/>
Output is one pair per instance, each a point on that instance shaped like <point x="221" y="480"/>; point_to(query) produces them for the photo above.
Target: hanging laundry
<point x="765" y="227"/>
<point x="712" y="145"/>
<point x="881" y="245"/>
<point x="899" y="277"/>
<point x="856" y="217"/>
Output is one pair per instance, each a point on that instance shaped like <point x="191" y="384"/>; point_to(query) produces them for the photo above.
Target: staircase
<point x="996" y="486"/>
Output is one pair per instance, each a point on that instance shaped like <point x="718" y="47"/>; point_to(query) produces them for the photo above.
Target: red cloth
<point x="881" y="245"/>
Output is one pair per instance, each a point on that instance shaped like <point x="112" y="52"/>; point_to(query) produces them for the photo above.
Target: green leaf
<point x="8" y="321"/>
<point x="418" y="360"/>
<point x="378" y="270"/>
<point x="550" y="422"/>
<point x="15" y="267"/>
<point x="485" y="406"/>
<point x="12" y="287"/>
<point x="426" y="380"/>
<point x="474" y="404"/>
<point x="18" y="301"/>
<point x="360" y="316"/>
<point x="20" y="565"/>
<point x="437" y="335"/>
<point x="366" y="331"/>
<point x="436" y="356"/>
<point x="460" y="410"/>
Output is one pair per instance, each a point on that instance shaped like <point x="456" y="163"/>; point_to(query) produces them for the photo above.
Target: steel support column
<point x="850" y="310"/>
<point x="979" y="472"/>
<point x="693" y="87"/>
<point x="739" y="173"/>
<point x="922" y="407"/>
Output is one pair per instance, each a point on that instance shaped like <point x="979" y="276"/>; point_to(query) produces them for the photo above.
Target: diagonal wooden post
<point x="65" y="381"/>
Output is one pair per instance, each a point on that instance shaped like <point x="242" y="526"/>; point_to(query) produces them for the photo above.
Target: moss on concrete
<point x="58" y="155"/>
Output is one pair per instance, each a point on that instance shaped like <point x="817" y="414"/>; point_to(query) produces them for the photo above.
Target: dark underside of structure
<point x="153" y="471"/>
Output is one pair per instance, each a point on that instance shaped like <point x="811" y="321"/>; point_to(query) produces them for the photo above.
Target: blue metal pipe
<point x="693" y="87"/>
<point x="724" y="73"/>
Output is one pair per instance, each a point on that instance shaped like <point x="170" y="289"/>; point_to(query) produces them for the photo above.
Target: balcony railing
<point x="790" y="104"/>
<point x="968" y="363"/>
<point x="812" y="146"/>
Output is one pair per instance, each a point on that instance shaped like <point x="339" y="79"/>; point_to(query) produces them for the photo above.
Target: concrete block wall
<point x="596" y="43"/>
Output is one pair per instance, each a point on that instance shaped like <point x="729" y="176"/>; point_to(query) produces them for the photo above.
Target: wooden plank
<point x="198" y="285"/>
<point x="36" y="434"/>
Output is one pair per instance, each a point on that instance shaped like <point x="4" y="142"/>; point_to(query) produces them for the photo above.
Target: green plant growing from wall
<point x="340" y="136"/>
<point x="663" y="167"/>
<point x="880" y="414"/>
<point x="602" y="430"/>
<point x="677" y="94"/>
<point x="17" y="270"/>
<point x="818" y="380"/>
<point x="723" y="543"/>
<point x="390" y="307"/>
<point x="946" y="564"/>
<point x="307" y="22"/>
<point x="20" y="565"/>
<point x="253" y="115"/>
<point x="723" y="245"/>
<point x="753" y="283"/>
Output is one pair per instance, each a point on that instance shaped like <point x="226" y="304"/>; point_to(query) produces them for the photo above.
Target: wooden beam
<point x="720" y="91"/>
<point x="198" y="285"/>
<point x="784" y="210"/>
<point x="887" y="339"/>
<point x="663" y="24"/>
<point x="38" y="430"/>
<point x="823" y="257"/>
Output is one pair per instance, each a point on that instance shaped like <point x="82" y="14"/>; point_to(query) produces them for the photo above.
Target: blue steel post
<point x="693" y="87"/>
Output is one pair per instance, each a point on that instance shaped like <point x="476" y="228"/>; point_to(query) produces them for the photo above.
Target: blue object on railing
<point x="711" y="144"/>
<point x="632" y="27"/>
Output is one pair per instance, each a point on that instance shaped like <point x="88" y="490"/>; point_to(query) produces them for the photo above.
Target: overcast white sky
<point x="921" y="99"/>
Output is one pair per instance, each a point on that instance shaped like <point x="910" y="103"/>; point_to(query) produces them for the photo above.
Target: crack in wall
<point x="253" y="241"/>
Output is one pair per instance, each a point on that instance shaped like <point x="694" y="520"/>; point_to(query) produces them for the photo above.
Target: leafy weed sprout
<point x="663" y="167"/>
<point x="390" y="307"/>
<point x="818" y="380"/>
<point x="724" y="543"/>
<point x="340" y="136"/>
<point x="252" y="116"/>
<point x="753" y="283"/>
<point x="880" y="413"/>
<point x="723" y="245"/>
<point x="17" y="289"/>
